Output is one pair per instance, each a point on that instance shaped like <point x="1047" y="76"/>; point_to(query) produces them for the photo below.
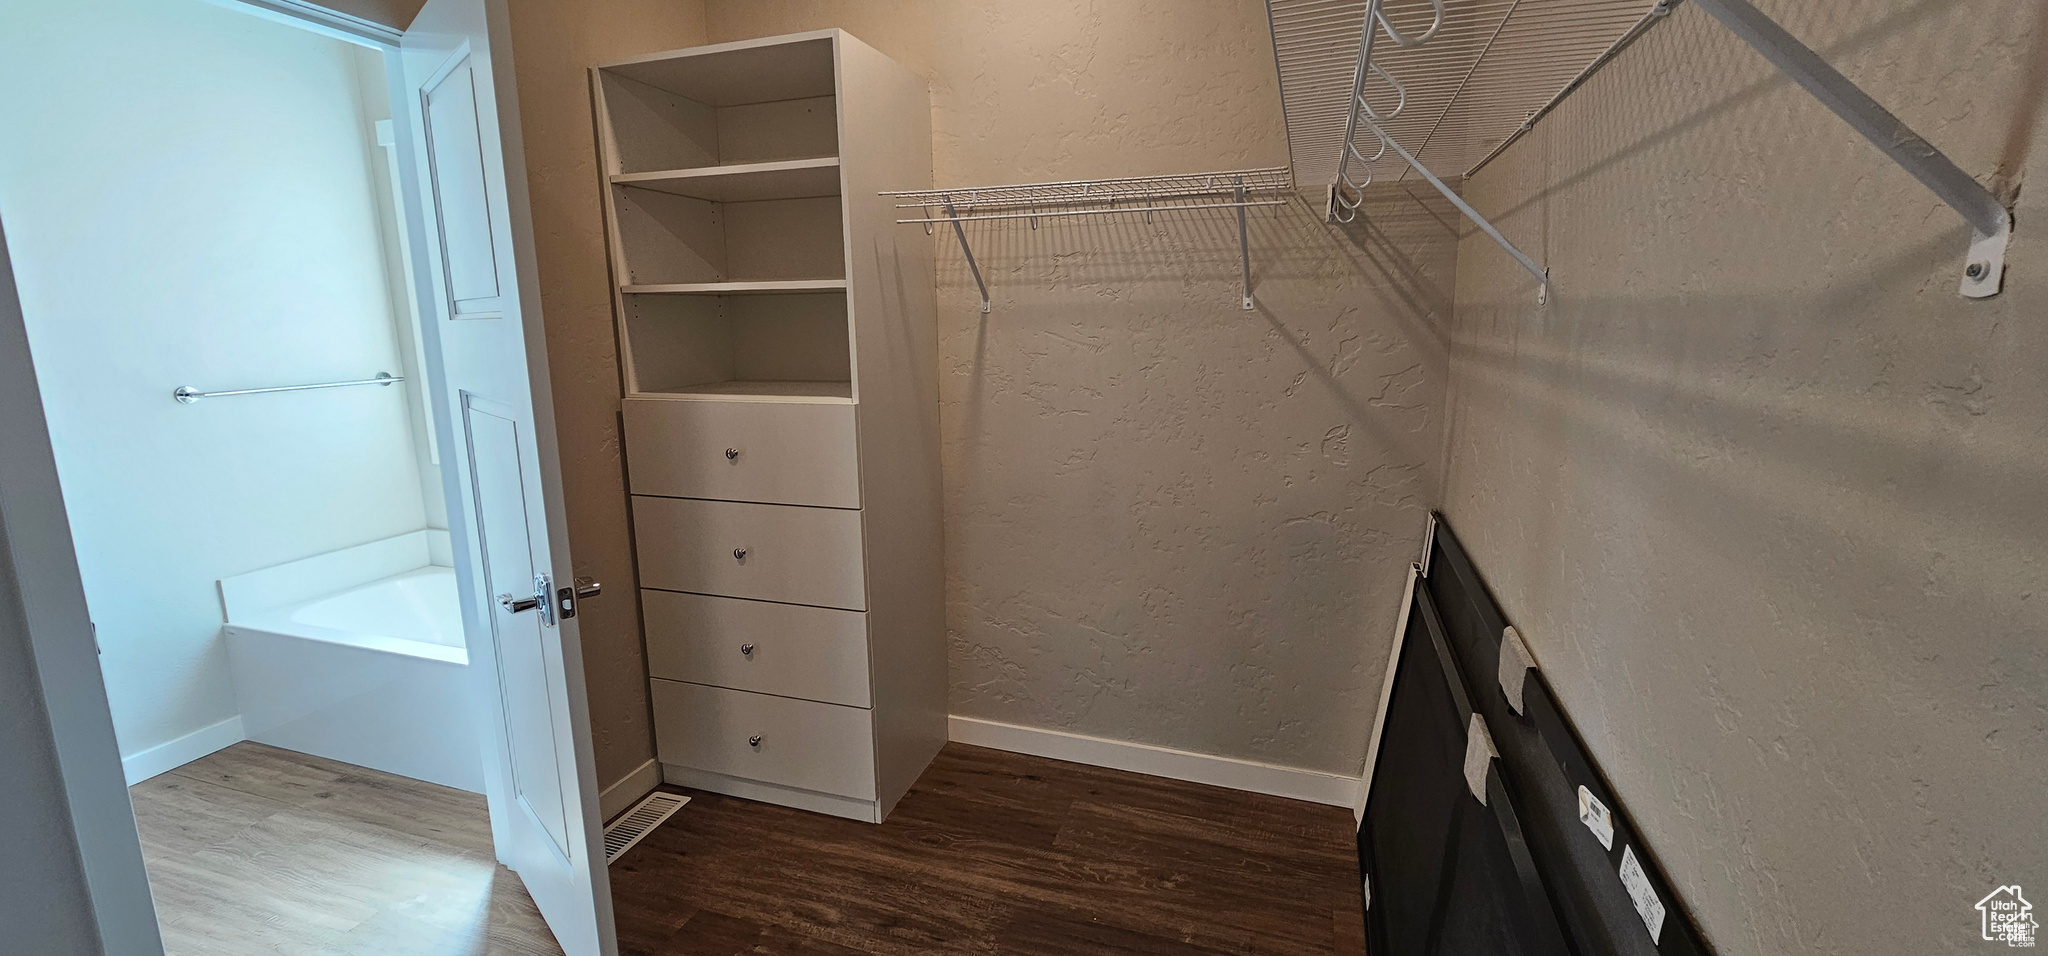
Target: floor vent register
<point x="634" y="825"/>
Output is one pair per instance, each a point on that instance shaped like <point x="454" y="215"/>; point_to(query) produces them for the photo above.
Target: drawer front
<point x="804" y="744"/>
<point x="767" y="552"/>
<point x="815" y="653"/>
<point x="783" y="452"/>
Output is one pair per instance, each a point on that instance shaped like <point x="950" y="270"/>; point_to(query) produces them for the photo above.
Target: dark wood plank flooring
<point x="260" y="850"/>
<point x="257" y="851"/>
<point x="999" y="853"/>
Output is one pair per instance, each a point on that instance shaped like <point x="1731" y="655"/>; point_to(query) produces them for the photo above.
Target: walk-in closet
<point x="988" y="477"/>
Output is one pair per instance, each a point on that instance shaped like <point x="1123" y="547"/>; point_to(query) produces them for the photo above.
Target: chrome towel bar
<point x="187" y="394"/>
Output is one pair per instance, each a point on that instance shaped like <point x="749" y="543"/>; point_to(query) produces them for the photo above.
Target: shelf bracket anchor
<point x="961" y="234"/>
<point x="1990" y="222"/>
<point x="1542" y="275"/>
<point x="1244" y="249"/>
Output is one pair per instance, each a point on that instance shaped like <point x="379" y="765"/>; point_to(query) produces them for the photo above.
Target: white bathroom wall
<point x="190" y="201"/>
<point x="375" y="98"/>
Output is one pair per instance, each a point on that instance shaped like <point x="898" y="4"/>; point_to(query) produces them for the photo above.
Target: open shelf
<point x="744" y="182"/>
<point x="775" y="287"/>
<point x="736" y="106"/>
<point x="728" y="224"/>
<point x="669" y="239"/>
<point x="813" y="393"/>
<point x="753" y="270"/>
<point x="758" y="347"/>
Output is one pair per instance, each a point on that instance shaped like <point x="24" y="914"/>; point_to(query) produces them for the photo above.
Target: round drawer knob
<point x="739" y="554"/>
<point x="732" y="454"/>
<point x="747" y="649"/>
<point x="754" y="741"/>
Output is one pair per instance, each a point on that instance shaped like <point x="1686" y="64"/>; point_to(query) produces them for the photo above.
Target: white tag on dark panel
<point x="1637" y="883"/>
<point x="1515" y="663"/>
<point x="1479" y="754"/>
<point x="1596" y="817"/>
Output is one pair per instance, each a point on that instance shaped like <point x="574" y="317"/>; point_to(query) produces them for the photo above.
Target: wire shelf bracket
<point x="1541" y="273"/>
<point x="1990" y="221"/>
<point x="1456" y="103"/>
<point x="968" y="251"/>
<point x="1237" y="190"/>
<point x="1348" y="194"/>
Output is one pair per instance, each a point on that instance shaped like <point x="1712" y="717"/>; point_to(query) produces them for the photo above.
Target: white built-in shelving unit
<point x="781" y="407"/>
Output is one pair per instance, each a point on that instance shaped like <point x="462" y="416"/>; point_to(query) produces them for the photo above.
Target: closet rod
<point x="188" y="395"/>
<point x="1657" y="11"/>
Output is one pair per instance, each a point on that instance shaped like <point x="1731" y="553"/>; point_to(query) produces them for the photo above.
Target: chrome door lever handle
<point x="516" y="605"/>
<point x="542" y="599"/>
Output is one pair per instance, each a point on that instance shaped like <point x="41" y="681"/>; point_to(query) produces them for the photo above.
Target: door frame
<point x="44" y="562"/>
<point x="51" y="595"/>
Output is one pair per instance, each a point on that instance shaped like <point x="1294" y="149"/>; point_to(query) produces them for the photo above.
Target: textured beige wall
<point x="391" y="13"/>
<point x="1168" y="520"/>
<point x="1767" y="498"/>
<point x="554" y="43"/>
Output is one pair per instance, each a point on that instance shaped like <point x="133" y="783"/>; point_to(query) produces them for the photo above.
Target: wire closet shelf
<point x="1236" y="189"/>
<point x="1389" y="88"/>
<point x="1455" y="81"/>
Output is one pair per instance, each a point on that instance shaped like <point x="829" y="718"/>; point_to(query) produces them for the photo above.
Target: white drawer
<point x="768" y="552"/>
<point x="802" y="743"/>
<point x="776" y="452"/>
<point x="815" y="653"/>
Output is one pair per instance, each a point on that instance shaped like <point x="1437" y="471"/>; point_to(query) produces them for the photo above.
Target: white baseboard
<point x="831" y="804"/>
<point x="627" y="790"/>
<point x="1295" y="783"/>
<point x="1379" y="720"/>
<point x="172" y="754"/>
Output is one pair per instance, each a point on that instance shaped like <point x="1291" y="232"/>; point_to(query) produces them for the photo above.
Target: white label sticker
<point x="1479" y="754"/>
<point x="1637" y="883"/>
<point x="1594" y="815"/>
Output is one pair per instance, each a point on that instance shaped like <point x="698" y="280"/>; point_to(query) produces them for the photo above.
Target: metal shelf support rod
<point x="1658" y="11"/>
<point x="1244" y="249"/>
<point x="1984" y="271"/>
<point x="1542" y="275"/>
<point x="961" y="234"/>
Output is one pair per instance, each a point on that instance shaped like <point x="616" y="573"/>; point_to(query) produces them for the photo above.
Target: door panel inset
<point x="524" y="674"/>
<point x="455" y="148"/>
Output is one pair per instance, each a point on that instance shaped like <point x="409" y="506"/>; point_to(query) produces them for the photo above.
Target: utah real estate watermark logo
<point x="2007" y="917"/>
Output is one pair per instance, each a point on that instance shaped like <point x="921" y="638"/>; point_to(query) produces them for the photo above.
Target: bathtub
<point x="412" y="613"/>
<point x="359" y="656"/>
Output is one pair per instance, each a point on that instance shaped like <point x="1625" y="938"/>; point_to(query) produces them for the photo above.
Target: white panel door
<point x="503" y="481"/>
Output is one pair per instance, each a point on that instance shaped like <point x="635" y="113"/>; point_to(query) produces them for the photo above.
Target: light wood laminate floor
<point x="255" y="850"/>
